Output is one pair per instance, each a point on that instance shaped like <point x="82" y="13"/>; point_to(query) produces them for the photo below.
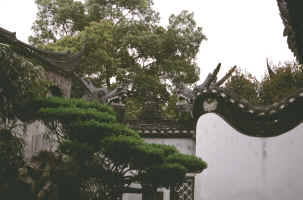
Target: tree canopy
<point x="94" y="149"/>
<point x="243" y="85"/>
<point x="105" y="153"/>
<point x="282" y="81"/>
<point x="286" y="80"/>
<point x="19" y="80"/>
<point x="125" y="45"/>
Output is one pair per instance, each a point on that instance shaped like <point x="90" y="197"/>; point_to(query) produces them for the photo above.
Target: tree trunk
<point x="154" y="194"/>
<point x="107" y="77"/>
<point x="150" y="193"/>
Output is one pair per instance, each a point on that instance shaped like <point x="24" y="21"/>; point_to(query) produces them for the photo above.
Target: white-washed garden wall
<point x="247" y="168"/>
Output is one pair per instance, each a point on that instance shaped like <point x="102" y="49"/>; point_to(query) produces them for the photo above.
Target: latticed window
<point x="185" y="191"/>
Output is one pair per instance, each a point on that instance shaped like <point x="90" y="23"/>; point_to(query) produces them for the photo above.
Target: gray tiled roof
<point x="63" y="63"/>
<point x="162" y="129"/>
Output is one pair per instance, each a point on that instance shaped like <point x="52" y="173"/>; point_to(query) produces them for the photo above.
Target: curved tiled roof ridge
<point x="58" y="62"/>
<point x="258" y="121"/>
<point x="252" y="120"/>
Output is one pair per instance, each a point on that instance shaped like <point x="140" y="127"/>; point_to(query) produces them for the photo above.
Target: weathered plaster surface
<point x="36" y="139"/>
<point x="242" y="167"/>
<point x="63" y="83"/>
<point x="127" y="196"/>
<point x="35" y="134"/>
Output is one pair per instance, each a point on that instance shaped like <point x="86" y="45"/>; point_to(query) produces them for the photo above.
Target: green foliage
<point x="172" y="169"/>
<point x="104" y="153"/>
<point x="70" y="17"/>
<point x="287" y="80"/>
<point x="157" y="165"/>
<point x="94" y="131"/>
<point x="133" y="110"/>
<point x="79" y="151"/>
<point x="11" y="160"/>
<point x="170" y="110"/>
<point x="29" y="109"/>
<point x="132" y="151"/>
<point x="55" y="102"/>
<point x="125" y="42"/>
<point x="58" y="18"/>
<point x="67" y="115"/>
<point x="125" y="45"/>
<point x="243" y="85"/>
<point x="167" y="149"/>
<point x="191" y="163"/>
<point x="11" y="156"/>
<point x="19" y="81"/>
<point x="165" y="175"/>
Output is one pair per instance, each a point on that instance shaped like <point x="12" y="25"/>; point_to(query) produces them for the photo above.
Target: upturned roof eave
<point x="63" y="63"/>
<point x="289" y="14"/>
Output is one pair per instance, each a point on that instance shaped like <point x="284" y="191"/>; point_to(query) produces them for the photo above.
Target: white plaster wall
<point x="132" y="196"/>
<point x="247" y="168"/>
<point x="128" y="196"/>
<point x="184" y="145"/>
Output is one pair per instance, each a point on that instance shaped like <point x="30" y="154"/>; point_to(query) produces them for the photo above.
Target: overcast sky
<point x="242" y="33"/>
